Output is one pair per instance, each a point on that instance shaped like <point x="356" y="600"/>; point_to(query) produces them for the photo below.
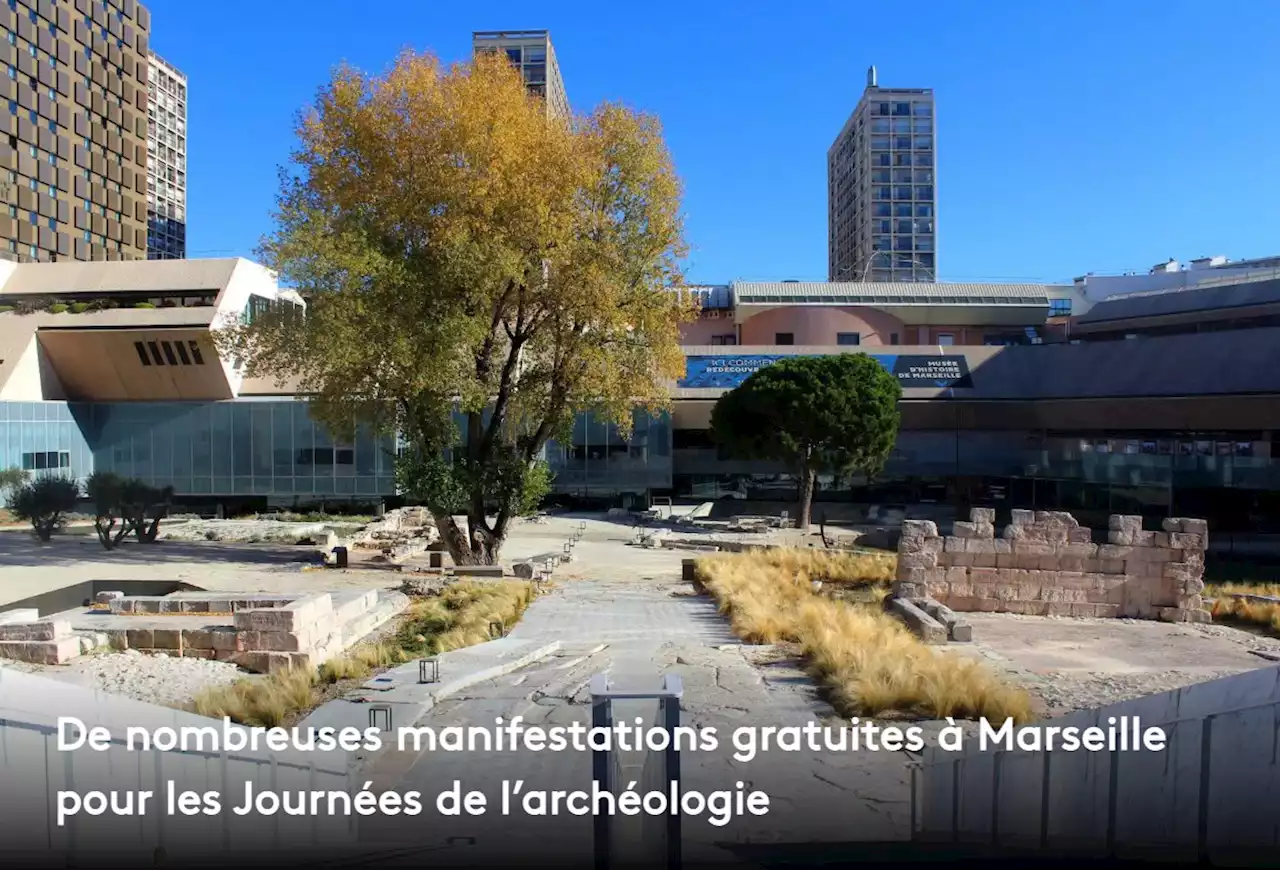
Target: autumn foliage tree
<point x="477" y="273"/>
<point x="833" y="414"/>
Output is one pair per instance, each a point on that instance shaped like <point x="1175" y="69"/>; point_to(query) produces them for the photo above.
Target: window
<point x="784" y="338"/>
<point x="141" y="349"/>
<point x="1059" y="307"/>
<point x="42" y="460"/>
<point x="727" y="339"/>
<point x="946" y="339"/>
<point x="902" y="108"/>
<point x="893" y="338"/>
<point x="848" y="338"/>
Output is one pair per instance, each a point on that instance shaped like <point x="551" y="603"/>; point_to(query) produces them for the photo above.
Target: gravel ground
<point x="156" y="679"/>
<point x="1066" y="693"/>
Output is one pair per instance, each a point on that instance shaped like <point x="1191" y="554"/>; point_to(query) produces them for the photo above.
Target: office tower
<point x="533" y="55"/>
<point x="73" y="165"/>
<point x="166" y="162"/>
<point x="882" y="198"/>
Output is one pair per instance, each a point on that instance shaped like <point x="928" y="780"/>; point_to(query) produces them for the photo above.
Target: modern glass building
<point x="1169" y="403"/>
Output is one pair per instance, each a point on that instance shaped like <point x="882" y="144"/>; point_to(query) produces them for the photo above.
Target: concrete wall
<point x="32" y="771"/>
<point x="1211" y="791"/>
<point x="1046" y="564"/>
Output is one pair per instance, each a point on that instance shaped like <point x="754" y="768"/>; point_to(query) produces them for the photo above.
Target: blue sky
<point x="1086" y="135"/>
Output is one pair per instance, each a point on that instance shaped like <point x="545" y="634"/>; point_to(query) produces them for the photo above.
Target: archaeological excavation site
<point x="1045" y="563"/>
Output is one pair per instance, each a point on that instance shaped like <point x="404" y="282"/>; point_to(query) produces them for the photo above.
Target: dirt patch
<point x="1073" y="664"/>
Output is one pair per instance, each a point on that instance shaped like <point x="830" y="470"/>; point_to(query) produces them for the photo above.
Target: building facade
<point x="532" y="53"/>
<point x="882" y="194"/>
<point x="166" y="161"/>
<point x="73" y="165"/>
<point x="111" y="366"/>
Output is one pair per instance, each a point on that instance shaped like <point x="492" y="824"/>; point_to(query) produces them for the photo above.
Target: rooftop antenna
<point x="871" y="76"/>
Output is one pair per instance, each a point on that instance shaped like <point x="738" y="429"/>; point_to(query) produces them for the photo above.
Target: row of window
<point x="1154" y="447"/>
<point x="46" y="459"/>
<point x="914" y="108"/>
<point x="174" y="353"/>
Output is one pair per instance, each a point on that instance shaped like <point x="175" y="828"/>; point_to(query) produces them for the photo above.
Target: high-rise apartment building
<point x="73" y="162"/>
<point x="166" y="161"/>
<point x="533" y="55"/>
<point x="882" y="194"/>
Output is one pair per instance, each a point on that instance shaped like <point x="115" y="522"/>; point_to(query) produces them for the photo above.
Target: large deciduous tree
<point x="820" y="415"/>
<point x="477" y="273"/>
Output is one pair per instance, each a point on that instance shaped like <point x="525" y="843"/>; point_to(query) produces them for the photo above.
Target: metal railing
<point x="658" y="771"/>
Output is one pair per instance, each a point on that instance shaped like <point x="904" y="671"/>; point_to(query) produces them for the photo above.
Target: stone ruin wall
<point x="1046" y="564"/>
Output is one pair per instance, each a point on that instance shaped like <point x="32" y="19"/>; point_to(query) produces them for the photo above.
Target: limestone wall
<point x="1047" y="564"/>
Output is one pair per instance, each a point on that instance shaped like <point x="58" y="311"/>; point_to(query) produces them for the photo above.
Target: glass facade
<point x="598" y="461"/>
<point x="274" y="450"/>
<point x="241" y="448"/>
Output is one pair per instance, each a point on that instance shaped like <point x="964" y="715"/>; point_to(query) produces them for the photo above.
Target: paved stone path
<point x="635" y="630"/>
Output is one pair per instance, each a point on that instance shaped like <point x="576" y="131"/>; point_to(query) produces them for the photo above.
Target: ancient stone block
<point x="1027" y="547"/>
<point x="1144" y="539"/>
<point x="1077" y="549"/>
<point x="954" y="544"/>
<point x="198" y="653"/>
<point x="961" y="632"/>
<point x="107" y="597"/>
<point x="1196" y="527"/>
<point x="1193" y="586"/>
<point x="982" y="515"/>
<point x="1185" y="541"/>
<point x="1006" y="560"/>
<point x="1049" y="563"/>
<point x="987" y="605"/>
<point x="920" y="622"/>
<point x="1022" y="518"/>
<point x="1009" y="593"/>
<point x="905" y="560"/>
<point x="909" y="590"/>
<point x="905" y="574"/>
<point x="1002" y="546"/>
<point x="984" y="530"/>
<point x="1120" y="537"/>
<point x="1073" y="564"/>
<point x="957" y="574"/>
<point x="1171" y="524"/>
<point x="983" y="575"/>
<point x="35" y="631"/>
<point x="960" y="589"/>
<point x="1111" y="551"/>
<point x="1080" y="535"/>
<point x="920" y="545"/>
<point x="984" y="560"/>
<point x="1124" y="522"/>
<point x="1111" y="566"/>
<point x="962" y="529"/>
<point x="166" y="638"/>
<point x="197" y="638"/>
<point x="963" y="560"/>
<point x="980" y="545"/>
<point x="919" y="529"/>
<point x="1028" y="561"/>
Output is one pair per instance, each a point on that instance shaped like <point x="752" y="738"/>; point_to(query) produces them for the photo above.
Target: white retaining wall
<point x="1214" y="790"/>
<point x="32" y="771"/>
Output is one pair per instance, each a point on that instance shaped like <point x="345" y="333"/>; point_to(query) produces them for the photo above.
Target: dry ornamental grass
<point x="868" y="661"/>
<point x="1229" y="609"/>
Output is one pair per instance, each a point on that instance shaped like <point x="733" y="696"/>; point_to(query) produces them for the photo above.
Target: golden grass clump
<point x="265" y="701"/>
<point x="1229" y="609"/>
<point x="869" y="662"/>
<point x="458" y="618"/>
<point x="462" y="616"/>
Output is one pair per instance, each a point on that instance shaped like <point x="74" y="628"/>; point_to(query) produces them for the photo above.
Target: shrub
<point x="5" y="309"/>
<point x="144" y="305"/>
<point x="80" y="307"/>
<point x="58" y="308"/>
<point x="44" y="502"/>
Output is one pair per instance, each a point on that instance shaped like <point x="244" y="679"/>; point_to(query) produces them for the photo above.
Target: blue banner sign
<point x="914" y="371"/>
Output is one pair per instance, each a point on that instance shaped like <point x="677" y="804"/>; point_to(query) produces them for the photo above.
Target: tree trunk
<point x="465" y="549"/>
<point x="807" y="479"/>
